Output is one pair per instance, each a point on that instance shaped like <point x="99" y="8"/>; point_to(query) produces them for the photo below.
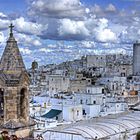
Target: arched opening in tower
<point x="1" y="103"/>
<point x="22" y="105"/>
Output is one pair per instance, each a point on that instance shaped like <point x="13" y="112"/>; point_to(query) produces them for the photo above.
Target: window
<point x="56" y="117"/>
<point x="43" y="77"/>
<point x="122" y="74"/>
<point x="77" y="112"/>
<point x="22" y="103"/>
<point x="1" y="103"/>
<point x="84" y="112"/>
<point x="112" y="87"/>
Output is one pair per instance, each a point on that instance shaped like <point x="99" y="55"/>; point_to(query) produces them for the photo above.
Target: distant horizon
<point x="130" y="54"/>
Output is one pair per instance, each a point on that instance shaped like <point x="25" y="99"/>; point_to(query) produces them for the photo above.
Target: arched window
<point x="81" y="101"/>
<point x="1" y="103"/>
<point x="94" y="102"/>
<point x="22" y="103"/>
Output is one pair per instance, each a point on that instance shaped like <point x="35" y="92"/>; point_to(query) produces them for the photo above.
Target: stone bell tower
<point x="14" y="86"/>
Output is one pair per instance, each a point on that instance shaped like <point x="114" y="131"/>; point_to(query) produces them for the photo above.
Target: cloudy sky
<point x="53" y="31"/>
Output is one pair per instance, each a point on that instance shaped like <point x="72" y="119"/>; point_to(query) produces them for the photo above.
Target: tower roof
<point x="12" y="68"/>
<point x="11" y="60"/>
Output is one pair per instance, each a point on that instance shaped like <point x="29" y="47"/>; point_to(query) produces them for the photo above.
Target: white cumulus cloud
<point x="25" y="51"/>
<point x="2" y="38"/>
<point x="103" y="33"/>
<point x="111" y="8"/>
<point x="106" y="35"/>
<point x="4" y="24"/>
<point x="28" y="27"/>
<point x="27" y="40"/>
<point x="2" y="15"/>
<point x="71" y="27"/>
<point x="57" y="8"/>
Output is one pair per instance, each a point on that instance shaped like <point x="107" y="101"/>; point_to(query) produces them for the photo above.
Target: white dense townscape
<point x="70" y="70"/>
<point x="95" y="97"/>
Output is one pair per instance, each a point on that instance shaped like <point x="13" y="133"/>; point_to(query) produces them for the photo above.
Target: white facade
<point x="96" y="61"/>
<point x="58" y="83"/>
<point x="91" y="104"/>
<point x="92" y="110"/>
<point x="87" y="98"/>
<point x="78" y="86"/>
<point x="72" y="113"/>
<point x="115" y="107"/>
<point x="79" y="83"/>
<point x="59" y="72"/>
<point x="115" y="85"/>
<point x="95" y="89"/>
<point x="125" y="70"/>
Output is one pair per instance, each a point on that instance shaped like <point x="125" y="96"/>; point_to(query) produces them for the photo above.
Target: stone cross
<point x="11" y="28"/>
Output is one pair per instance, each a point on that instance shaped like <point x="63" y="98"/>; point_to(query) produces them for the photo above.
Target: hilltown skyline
<point x="95" y="97"/>
<point x="41" y="28"/>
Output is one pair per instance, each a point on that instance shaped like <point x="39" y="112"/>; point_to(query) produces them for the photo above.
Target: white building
<point x="115" y="107"/>
<point x="58" y="83"/>
<point x="94" y="89"/>
<point x="91" y="103"/>
<point x="91" y="110"/>
<point x="115" y="85"/>
<point x="88" y="98"/>
<point x="96" y="61"/>
<point x="72" y="112"/>
<point x="79" y="83"/>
